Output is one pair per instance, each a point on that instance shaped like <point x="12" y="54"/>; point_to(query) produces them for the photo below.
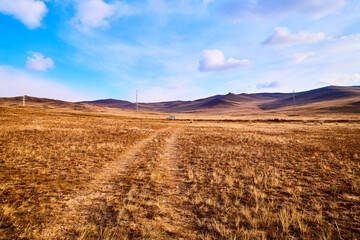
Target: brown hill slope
<point x="227" y="101"/>
<point x="314" y="96"/>
<point x="114" y="103"/>
<point x="46" y="103"/>
<point x="332" y="99"/>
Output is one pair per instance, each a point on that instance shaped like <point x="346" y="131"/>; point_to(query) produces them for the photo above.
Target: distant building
<point x="171" y="117"/>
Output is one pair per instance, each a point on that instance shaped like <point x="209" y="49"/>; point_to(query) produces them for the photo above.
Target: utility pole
<point x="294" y="102"/>
<point x="23" y="101"/>
<point x="137" y="99"/>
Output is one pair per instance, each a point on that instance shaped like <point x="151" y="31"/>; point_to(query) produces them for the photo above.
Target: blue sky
<point x="175" y="50"/>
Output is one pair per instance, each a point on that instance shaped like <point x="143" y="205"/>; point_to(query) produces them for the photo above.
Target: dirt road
<point x="146" y="182"/>
<point x="81" y="176"/>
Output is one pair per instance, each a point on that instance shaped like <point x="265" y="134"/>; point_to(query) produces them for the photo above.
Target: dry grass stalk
<point x="204" y="180"/>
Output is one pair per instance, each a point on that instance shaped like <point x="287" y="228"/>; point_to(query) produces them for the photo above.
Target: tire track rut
<point x="78" y="207"/>
<point x="178" y="218"/>
<point x="154" y="206"/>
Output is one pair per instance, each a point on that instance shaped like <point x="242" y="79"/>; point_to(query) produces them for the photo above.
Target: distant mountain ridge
<point x="336" y="99"/>
<point x="316" y="95"/>
<point x="259" y="101"/>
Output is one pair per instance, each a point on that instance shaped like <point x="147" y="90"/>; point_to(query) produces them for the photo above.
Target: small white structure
<point x="171" y="117"/>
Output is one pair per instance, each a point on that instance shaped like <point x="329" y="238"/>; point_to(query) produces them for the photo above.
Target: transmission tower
<point x="23" y="100"/>
<point x="137" y="103"/>
<point x="294" y="103"/>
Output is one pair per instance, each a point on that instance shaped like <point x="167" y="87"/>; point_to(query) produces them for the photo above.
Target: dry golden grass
<point x="274" y="180"/>
<point x="67" y="175"/>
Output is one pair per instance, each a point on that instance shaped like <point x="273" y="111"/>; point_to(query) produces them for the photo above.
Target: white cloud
<point x="299" y="57"/>
<point x="273" y="84"/>
<point x="282" y="37"/>
<point x="16" y="82"/>
<point x="38" y="62"/>
<point x="342" y="80"/>
<point x="97" y="13"/>
<point x="240" y="10"/>
<point x="29" y="12"/>
<point x="214" y="60"/>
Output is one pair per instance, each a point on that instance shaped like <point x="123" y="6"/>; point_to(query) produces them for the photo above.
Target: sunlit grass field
<point x="73" y="175"/>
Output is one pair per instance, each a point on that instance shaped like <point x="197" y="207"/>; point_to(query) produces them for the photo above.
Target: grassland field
<point x="73" y="175"/>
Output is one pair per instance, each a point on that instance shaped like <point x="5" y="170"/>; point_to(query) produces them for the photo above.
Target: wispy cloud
<point x="336" y="62"/>
<point x="38" y="62"/>
<point x="282" y="37"/>
<point x="97" y="13"/>
<point x="300" y="57"/>
<point x="214" y="60"/>
<point x="29" y="12"/>
<point x="339" y="55"/>
<point x="241" y="10"/>
<point x="342" y="80"/>
<point x="16" y="82"/>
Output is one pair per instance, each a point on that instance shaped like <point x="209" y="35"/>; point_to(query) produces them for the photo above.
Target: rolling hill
<point x="314" y="96"/>
<point x="43" y="102"/>
<point x="331" y="99"/>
